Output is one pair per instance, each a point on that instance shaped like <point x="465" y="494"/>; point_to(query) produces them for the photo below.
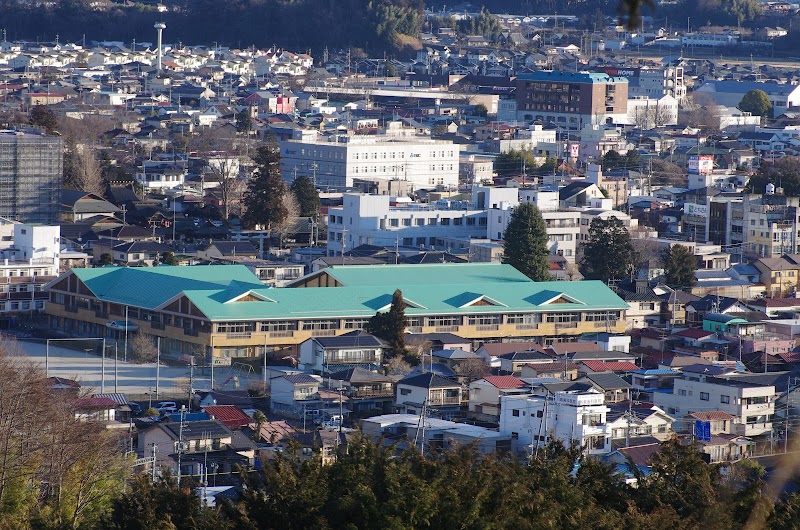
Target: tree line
<point x="378" y="486"/>
<point x="375" y="25"/>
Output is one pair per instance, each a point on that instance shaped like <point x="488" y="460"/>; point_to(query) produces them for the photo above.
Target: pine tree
<point x="307" y="196"/>
<point x="391" y="325"/>
<point x="526" y="243"/>
<point x="609" y="253"/>
<point x="265" y="190"/>
<point x="679" y="266"/>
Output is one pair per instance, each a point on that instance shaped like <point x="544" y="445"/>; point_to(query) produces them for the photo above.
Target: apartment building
<point x="334" y="162"/>
<point x="652" y="81"/>
<point x="31" y="168"/>
<point x="27" y="262"/>
<point x="751" y="404"/>
<point x="770" y="225"/>
<point x="576" y="415"/>
<point x="226" y="312"/>
<point x="572" y="100"/>
<point x="375" y="220"/>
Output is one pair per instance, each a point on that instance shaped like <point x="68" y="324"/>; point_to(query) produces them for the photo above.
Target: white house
<point x="485" y="394"/>
<point x="322" y="355"/>
<point x="571" y="416"/>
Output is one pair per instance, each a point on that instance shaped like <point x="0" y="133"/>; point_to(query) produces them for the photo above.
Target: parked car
<point x="165" y="407"/>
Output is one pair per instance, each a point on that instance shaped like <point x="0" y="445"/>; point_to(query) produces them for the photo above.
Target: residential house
<point x="485" y="394"/>
<point x="326" y="355"/>
<point x="513" y="362"/>
<point x="556" y="370"/>
<point x="779" y="276"/>
<point x="428" y="390"/>
<point x="456" y="358"/>
<point x="230" y="416"/>
<point x="80" y="205"/>
<point x="613" y="387"/>
<point x="133" y="253"/>
<point x="295" y="394"/>
<point x="218" y="249"/>
<point x="570" y="415"/>
<point x="368" y="392"/>
<point x="95" y="409"/>
<point x="636" y="419"/>
<point x="271" y="273"/>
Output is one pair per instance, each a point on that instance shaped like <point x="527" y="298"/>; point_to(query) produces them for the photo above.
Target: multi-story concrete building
<point x="29" y="261"/>
<point x="572" y="99"/>
<point x="31" y="167"/>
<point x="372" y="220"/>
<point x="651" y="81"/>
<point x="333" y="162"/>
<point x="751" y="404"/>
<point x="770" y="225"/>
<point x="571" y="415"/>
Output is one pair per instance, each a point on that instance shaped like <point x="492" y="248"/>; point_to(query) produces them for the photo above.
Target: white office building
<point x="373" y="220"/>
<point x="334" y="162"/>
<point x="571" y="416"/>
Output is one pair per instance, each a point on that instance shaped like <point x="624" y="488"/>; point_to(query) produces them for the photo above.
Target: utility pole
<point x="158" y="363"/>
<point x="180" y="442"/>
<point x="153" y="463"/>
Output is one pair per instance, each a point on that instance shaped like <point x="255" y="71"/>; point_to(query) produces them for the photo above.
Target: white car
<point x="165" y="407"/>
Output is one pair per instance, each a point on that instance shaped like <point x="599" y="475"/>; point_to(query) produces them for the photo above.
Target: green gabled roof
<point x="433" y="274"/>
<point x="436" y="289"/>
<point x="149" y="287"/>
<point x="364" y="301"/>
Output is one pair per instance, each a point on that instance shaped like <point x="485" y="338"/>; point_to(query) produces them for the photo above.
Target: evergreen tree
<point x="307" y="196"/>
<point x="168" y="258"/>
<point x="526" y="243"/>
<point x="679" y="266"/>
<point x="44" y="117"/>
<point x="391" y="325"/>
<point x="105" y="259"/>
<point x="244" y="122"/>
<point x="757" y="103"/>
<point x="265" y="190"/>
<point x="609" y="253"/>
<point x="515" y="162"/>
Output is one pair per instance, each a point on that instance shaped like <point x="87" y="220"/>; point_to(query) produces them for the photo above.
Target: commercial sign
<point x="701" y="164"/>
<point x="697" y="210"/>
<point x="574" y="149"/>
<point x="622" y="72"/>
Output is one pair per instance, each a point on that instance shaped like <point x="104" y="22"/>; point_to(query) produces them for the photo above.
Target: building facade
<point x="335" y="161"/>
<point x="572" y="100"/>
<point x="31" y="168"/>
<point x="225" y="312"/>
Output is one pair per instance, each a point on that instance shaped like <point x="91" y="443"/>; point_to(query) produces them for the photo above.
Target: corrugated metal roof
<point x="436" y="289"/>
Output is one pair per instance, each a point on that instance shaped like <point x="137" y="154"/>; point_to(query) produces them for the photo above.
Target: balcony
<point x="370" y="392"/>
<point x="440" y="401"/>
<point x="360" y="359"/>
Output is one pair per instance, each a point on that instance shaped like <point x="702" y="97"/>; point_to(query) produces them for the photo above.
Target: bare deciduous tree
<point x="143" y="348"/>
<point x="472" y="369"/>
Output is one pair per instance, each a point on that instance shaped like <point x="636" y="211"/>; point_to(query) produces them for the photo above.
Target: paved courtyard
<point x="133" y="379"/>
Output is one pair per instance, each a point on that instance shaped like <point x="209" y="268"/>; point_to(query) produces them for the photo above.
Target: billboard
<point x="702" y="431"/>
<point x="701" y="164"/>
<point x="697" y="210"/>
<point x="574" y="149"/>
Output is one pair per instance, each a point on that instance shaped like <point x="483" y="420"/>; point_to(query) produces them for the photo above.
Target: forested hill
<point x="385" y="25"/>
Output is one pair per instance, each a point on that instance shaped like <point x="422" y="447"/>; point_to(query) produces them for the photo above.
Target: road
<point x="136" y="380"/>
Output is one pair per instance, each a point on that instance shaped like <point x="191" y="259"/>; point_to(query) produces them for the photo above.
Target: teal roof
<point x="433" y="274"/>
<point x="428" y="289"/>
